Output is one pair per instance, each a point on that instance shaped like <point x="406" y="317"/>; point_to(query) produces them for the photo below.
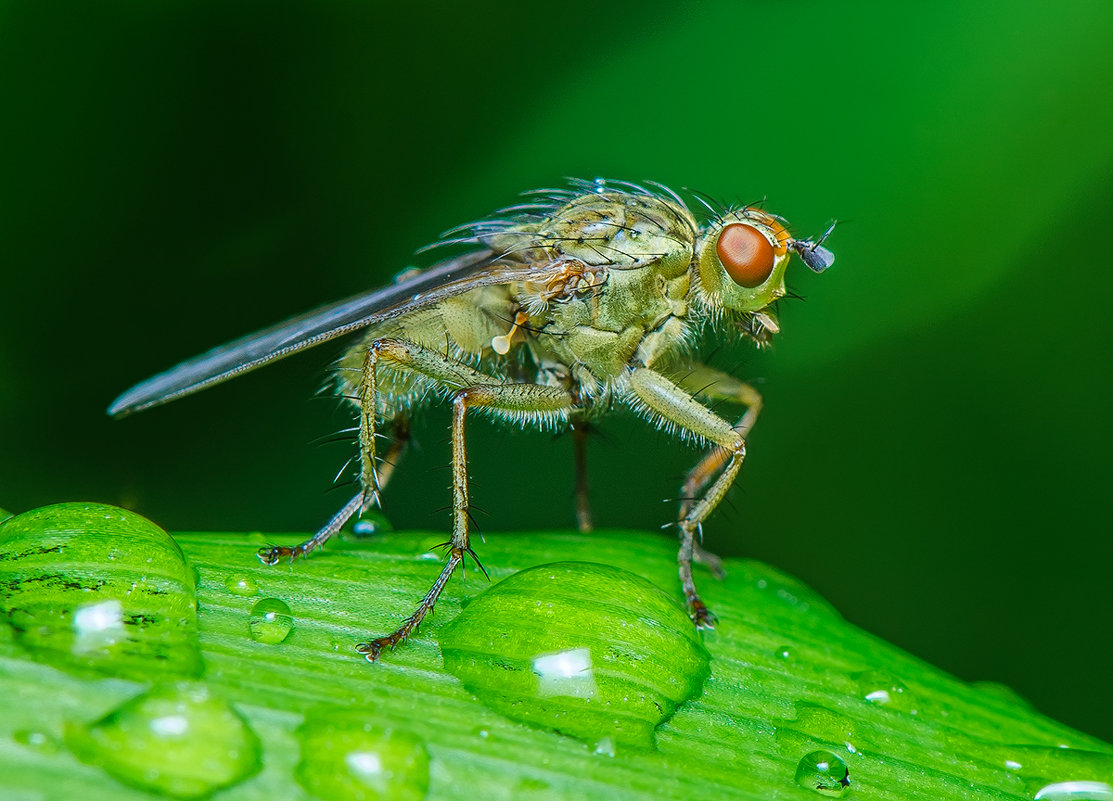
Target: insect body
<point x="560" y="309"/>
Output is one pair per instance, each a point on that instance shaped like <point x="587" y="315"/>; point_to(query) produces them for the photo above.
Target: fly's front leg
<point x="668" y="402"/>
<point x="522" y="403"/>
<point x="707" y="382"/>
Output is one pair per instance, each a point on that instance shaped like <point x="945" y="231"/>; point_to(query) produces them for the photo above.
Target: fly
<point x="578" y="301"/>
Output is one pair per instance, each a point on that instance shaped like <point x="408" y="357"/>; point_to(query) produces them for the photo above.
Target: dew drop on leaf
<point x="90" y="587"/>
<point x="270" y="621"/>
<point x="345" y="757"/>
<point x="588" y="650"/>
<point x="243" y="586"/>
<point x="823" y="772"/>
<point x="178" y="740"/>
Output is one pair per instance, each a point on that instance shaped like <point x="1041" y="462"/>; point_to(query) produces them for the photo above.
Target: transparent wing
<point x="448" y="278"/>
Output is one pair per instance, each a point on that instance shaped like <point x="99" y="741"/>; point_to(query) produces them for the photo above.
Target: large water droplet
<point x="178" y="740"/>
<point x="89" y="586"/>
<point x="346" y="758"/>
<point x="823" y="772"/>
<point x="270" y="621"/>
<point x="590" y="650"/>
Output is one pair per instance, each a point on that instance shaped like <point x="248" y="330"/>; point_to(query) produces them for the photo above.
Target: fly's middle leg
<point x="715" y="385"/>
<point x="671" y="403"/>
<point x="521" y="403"/>
<point x="372" y="477"/>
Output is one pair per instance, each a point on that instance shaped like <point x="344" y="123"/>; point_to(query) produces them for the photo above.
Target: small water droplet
<point x="785" y="652"/>
<point x="1075" y="791"/>
<point x="812" y="723"/>
<point x="244" y="586"/>
<point x="823" y="772"/>
<point x="1003" y="693"/>
<point x="177" y="739"/>
<point x="271" y="621"/>
<point x="882" y="689"/>
<point x="38" y="740"/>
<point x="344" y="756"/>
<point x="605" y="747"/>
<point x="92" y="587"/>
<point x="371" y="523"/>
<point x="589" y="650"/>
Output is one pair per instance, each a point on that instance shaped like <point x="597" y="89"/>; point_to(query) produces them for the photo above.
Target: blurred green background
<point x="933" y="457"/>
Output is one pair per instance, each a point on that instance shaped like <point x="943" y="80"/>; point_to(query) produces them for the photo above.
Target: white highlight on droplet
<point x="98" y="626"/>
<point x="567" y="673"/>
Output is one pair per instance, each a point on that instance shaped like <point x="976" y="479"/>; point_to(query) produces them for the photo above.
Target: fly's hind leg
<point x="673" y="405"/>
<point x="374" y="473"/>
<point x="583" y="497"/>
<point x="521" y="403"/>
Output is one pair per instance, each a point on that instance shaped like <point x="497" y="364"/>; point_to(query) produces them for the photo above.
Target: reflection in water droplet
<point x="92" y="587"/>
<point x="270" y="621"/>
<point x="1075" y="791"/>
<point x="823" y="772"/>
<point x="784" y="652"/>
<point x="243" y="586"/>
<point x="178" y="740"/>
<point x="878" y="687"/>
<point x="344" y="757"/>
<point x="590" y="650"/>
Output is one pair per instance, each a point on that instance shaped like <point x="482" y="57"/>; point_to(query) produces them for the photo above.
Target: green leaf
<point x="798" y="702"/>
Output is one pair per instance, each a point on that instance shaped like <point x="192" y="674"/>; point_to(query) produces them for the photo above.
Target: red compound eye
<point x="746" y="254"/>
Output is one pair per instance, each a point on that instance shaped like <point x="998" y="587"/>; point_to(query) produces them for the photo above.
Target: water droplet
<point x="343" y="756"/>
<point x="814" y="724"/>
<point x="882" y="689"/>
<point x="244" y="586"/>
<point x="371" y="523"/>
<point x="38" y="740"/>
<point x="590" y="650"/>
<point x="605" y="747"/>
<point x="1075" y="791"/>
<point x="1060" y="769"/>
<point x="270" y="621"/>
<point x="823" y="772"/>
<point x="1002" y="692"/>
<point x="785" y="652"/>
<point x="93" y="587"/>
<point x="177" y="739"/>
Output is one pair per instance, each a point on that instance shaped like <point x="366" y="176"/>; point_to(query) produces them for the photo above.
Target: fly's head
<point x="742" y="258"/>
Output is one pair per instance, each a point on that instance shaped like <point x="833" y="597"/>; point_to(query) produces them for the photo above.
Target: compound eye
<point x="746" y="254"/>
